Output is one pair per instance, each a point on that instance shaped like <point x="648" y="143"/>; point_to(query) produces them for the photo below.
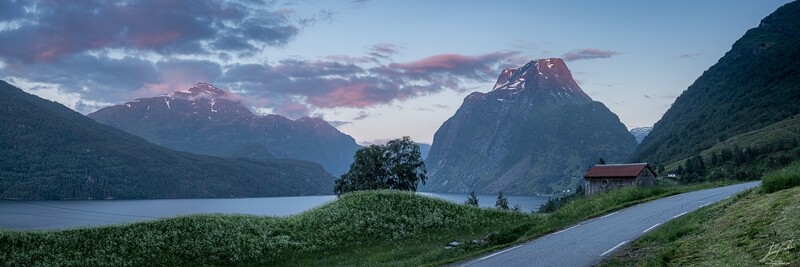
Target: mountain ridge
<point x="52" y="152"/>
<point x="207" y="120"/>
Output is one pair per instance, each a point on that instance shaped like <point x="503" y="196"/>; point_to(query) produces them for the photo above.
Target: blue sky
<point x="375" y="69"/>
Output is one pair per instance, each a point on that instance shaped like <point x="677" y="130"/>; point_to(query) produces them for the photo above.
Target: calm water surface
<point x="58" y="214"/>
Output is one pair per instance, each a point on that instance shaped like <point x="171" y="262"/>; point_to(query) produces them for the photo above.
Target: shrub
<point x="472" y="200"/>
<point x="502" y="202"/>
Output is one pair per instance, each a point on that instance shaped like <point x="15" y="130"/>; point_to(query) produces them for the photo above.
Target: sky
<point x="376" y="70"/>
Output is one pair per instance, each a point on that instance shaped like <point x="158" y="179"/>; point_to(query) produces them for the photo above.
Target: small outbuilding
<point x="601" y="178"/>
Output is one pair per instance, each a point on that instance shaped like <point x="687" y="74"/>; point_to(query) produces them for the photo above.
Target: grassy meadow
<point x="387" y="228"/>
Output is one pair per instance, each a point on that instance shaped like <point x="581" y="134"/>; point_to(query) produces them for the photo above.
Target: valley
<point x="372" y="133"/>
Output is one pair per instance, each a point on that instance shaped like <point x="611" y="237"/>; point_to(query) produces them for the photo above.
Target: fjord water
<point x="59" y="214"/>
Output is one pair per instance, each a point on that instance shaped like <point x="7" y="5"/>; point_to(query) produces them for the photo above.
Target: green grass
<point x="589" y="207"/>
<point x="362" y="221"/>
<point x="740" y="231"/>
<point x="782" y="179"/>
<point x="386" y="228"/>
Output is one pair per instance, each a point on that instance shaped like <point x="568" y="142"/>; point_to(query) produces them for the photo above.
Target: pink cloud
<point x="455" y="65"/>
<point x="62" y="28"/>
<point x="437" y="63"/>
<point x="49" y="53"/>
<point x="347" y="95"/>
<point x="293" y="110"/>
<point x="327" y="83"/>
<point x="588" y="53"/>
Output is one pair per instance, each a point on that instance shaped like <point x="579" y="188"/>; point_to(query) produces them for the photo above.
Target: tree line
<point x="739" y="163"/>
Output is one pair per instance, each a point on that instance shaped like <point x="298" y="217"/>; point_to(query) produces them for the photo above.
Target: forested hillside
<point x="51" y="152"/>
<point x="756" y="84"/>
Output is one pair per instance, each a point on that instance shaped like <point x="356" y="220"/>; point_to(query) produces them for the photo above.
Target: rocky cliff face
<point x="207" y="120"/>
<point x="535" y="132"/>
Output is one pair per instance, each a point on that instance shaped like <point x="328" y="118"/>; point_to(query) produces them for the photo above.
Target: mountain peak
<point x="200" y="90"/>
<point x="640" y="133"/>
<point x="549" y="75"/>
<point x="508" y="139"/>
<point x="512" y="78"/>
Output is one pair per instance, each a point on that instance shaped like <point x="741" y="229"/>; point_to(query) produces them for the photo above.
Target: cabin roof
<point x="631" y="170"/>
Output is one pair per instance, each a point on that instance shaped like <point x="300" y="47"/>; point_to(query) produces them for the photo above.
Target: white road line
<point x="679" y="215"/>
<point x="565" y="230"/>
<point x="501" y="252"/>
<point x="615" y="247"/>
<point x="651" y="228"/>
<point x="709" y="203"/>
<point x="610" y="214"/>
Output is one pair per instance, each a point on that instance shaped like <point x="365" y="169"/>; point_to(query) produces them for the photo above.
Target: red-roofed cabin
<point x="601" y="178"/>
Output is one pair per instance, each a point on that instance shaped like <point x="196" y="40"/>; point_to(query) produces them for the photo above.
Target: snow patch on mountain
<point x="550" y="76"/>
<point x="640" y="133"/>
<point x="200" y="90"/>
<point x="513" y="79"/>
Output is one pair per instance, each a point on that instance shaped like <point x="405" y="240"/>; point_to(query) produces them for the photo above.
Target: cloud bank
<point x="113" y="51"/>
<point x="588" y="53"/>
<point x="52" y="30"/>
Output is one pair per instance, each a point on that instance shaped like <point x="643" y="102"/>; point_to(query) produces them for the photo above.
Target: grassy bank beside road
<point x="757" y="228"/>
<point x="363" y="228"/>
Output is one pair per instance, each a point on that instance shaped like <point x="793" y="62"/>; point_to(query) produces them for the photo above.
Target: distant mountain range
<point x="535" y="132"/>
<point x="640" y="133"/>
<point x="754" y="85"/>
<point x="207" y="120"/>
<point x="51" y="152"/>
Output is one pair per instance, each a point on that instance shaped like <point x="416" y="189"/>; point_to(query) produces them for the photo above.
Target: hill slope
<point x="52" y="152"/>
<point x="752" y="229"/>
<point x="777" y="139"/>
<point x="391" y="224"/>
<point x="536" y="132"/>
<point x="756" y="83"/>
<point x="210" y="121"/>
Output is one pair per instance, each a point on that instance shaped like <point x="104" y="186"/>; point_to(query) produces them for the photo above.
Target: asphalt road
<point x="589" y="242"/>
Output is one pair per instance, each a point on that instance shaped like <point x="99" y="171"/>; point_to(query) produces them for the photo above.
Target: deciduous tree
<point x="397" y="165"/>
